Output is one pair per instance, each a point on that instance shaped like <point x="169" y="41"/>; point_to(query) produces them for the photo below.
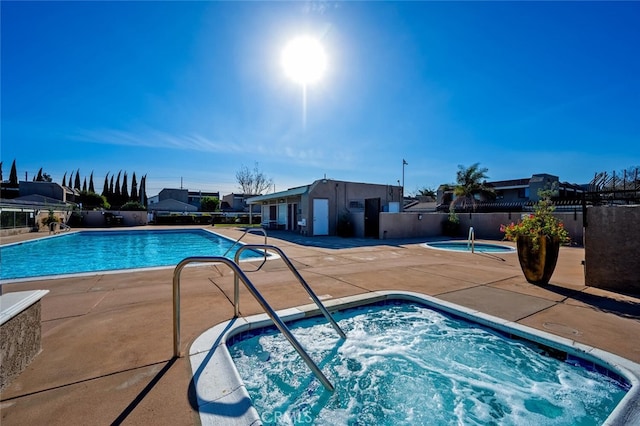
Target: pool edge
<point x="203" y="349"/>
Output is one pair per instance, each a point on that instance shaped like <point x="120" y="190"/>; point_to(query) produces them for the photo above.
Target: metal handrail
<point x="249" y="231"/>
<point x="265" y="247"/>
<point x="471" y="240"/>
<point x="239" y="274"/>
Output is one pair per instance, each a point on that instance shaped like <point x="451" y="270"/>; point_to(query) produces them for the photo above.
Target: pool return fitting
<point x="239" y="275"/>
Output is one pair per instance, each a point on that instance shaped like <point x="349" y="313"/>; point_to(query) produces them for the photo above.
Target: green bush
<point x="209" y="204"/>
<point x="52" y="218"/>
<point x="92" y="201"/>
<point x="133" y="206"/>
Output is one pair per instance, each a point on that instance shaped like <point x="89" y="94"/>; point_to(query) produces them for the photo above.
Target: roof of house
<point x="172" y="205"/>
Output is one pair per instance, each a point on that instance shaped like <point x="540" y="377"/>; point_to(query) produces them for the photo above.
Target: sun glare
<point x="304" y="60"/>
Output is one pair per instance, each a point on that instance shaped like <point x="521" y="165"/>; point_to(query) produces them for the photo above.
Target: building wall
<point x="612" y="248"/>
<point x="539" y="182"/>
<point x="96" y="219"/>
<point x="347" y="198"/>
<point x="485" y="225"/>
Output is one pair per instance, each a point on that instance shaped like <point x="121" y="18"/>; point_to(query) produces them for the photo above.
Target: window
<point x="356" y="205"/>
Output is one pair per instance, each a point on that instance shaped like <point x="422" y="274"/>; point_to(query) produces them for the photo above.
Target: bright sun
<point x="304" y="60"/>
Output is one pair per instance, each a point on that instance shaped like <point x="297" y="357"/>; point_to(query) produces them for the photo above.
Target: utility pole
<point x="404" y="163"/>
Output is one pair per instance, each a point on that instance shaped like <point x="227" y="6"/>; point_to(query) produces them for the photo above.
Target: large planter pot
<point x="538" y="265"/>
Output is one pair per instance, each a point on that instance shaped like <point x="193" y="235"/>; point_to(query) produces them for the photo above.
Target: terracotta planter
<point x="538" y="266"/>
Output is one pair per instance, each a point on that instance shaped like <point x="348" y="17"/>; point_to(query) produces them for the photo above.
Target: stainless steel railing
<point x="323" y="309"/>
<point x="240" y="275"/>
<point x="236" y="242"/>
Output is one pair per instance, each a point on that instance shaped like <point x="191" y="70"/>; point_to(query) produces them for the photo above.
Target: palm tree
<point x="471" y="181"/>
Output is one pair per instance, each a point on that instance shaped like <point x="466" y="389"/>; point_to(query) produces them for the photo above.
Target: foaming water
<point x="407" y="364"/>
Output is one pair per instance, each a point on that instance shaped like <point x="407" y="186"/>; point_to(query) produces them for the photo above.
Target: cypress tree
<point x="134" y="188"/>
<point x="84" y="185"/>
<point x="39" y="177"/>
<point x="1" y="178"/>
<point x="143" y="190"/>
<point x="117" y="196"/>
<point x="13" y="176"/>
<point x="64" y="179"/>
<point x="111" y="187"/>
<point x="116" y="192"/>
<point x="91" y="188"/>
<point x="125" y="191"/>
<point x="105" y="186"/>
<point x="76" y="184"/>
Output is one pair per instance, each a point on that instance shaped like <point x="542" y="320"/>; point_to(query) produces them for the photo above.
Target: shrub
<point x="51" y="218"/>
<point x="133" y="206"/>
<point x="209" y="204"/>
<point x="91" y="201"/>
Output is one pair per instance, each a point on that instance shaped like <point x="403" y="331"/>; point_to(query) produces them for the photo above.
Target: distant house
<point x="180" y="196"/>
<point x="326" y="205"/>
<point x="514" y="194"/>
<point x="422" y="204"/>
<point x="195" y="197"/>
<point x="237" y="203"/>
<point x="49" y="190"/>
<point x="171" y="205"/>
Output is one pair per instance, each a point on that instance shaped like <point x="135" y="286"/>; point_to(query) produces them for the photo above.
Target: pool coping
<point x="222" y="398"/>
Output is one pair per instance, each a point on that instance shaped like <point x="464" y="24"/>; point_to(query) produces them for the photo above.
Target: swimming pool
<point x="466" y="247"/>
<point x="97" y="251"/>
<point x="518" y="386"/>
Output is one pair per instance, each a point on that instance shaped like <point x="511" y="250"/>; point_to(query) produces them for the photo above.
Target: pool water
<point x="406" y="364"/>
<point x="465" y="246"/>
<point x="92" y="251"/>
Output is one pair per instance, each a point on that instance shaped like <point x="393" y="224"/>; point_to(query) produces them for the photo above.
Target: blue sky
<point x="188" y="93"/>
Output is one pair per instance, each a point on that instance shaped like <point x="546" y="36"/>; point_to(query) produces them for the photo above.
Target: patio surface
<point x="107" y="343"/>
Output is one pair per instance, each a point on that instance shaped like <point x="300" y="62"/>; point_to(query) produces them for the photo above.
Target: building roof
<point x="172" y="205"/>
<point x="282" y="194"/>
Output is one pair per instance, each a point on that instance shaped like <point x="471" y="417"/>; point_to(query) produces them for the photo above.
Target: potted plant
<point x="538" y="237"/>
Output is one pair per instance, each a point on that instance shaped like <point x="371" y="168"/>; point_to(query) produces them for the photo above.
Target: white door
<point x="282" y="216"/>
<point x="320" y="216"/>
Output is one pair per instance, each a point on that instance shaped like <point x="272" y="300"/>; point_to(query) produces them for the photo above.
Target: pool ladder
<point x="471" y="240"/>
<point x="240" y="275"/>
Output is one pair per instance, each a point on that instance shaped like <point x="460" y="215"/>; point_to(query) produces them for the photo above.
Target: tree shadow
<point x="624" y="308"/>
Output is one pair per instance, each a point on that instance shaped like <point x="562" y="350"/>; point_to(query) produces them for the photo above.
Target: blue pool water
<point x="465" y="246"/>
<point x="92" y="251"/>
<point x="406" y="364"/>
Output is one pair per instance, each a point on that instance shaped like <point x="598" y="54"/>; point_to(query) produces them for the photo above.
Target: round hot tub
<point x="466" y="246"/>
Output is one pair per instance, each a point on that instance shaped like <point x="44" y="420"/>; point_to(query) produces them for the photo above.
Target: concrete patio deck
<point x="107" y="338"/>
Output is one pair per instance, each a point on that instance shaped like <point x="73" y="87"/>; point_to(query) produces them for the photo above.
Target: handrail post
<point x="176" y="311"/>
<point x="471" y="240"/>
<point x="236" y="295"/>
